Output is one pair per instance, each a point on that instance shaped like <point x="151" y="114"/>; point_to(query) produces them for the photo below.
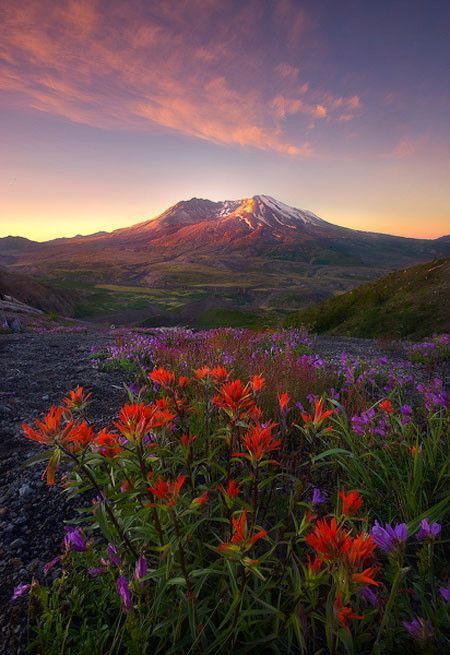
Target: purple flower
<point x="125" y="594"/>
<point x="406" y="412"/>
<point x="74" y="540"/>
<point x="445" y="593"/>
<point x="141" y="568"/>
<point x="113" y="555"/>
<point x="20" y="590"/>
<point x="94" y="571"/>
<point x="370" y="597"/>
<point x="318" y="497"/>
<point x="389" y="537"/>
<point x="51" y="564"/>
<point x="418" y="628"/>
<point x="428" y="531"/>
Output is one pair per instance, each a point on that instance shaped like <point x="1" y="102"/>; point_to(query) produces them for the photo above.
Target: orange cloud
<point x="138" y="65"/>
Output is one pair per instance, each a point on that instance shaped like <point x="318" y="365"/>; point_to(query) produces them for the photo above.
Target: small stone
<point x="18" y="543"/>
<point x="25" y="491"/>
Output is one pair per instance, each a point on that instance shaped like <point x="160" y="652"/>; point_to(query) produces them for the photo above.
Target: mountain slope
<point x="409" y="303"/>
<point x="32" y="292"/>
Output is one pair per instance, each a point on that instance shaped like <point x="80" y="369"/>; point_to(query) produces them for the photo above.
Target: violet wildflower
<point x="418" y="628"/>
<point x="428" y="530"/>
<point x="113" y="555"/>
<point x="74" y="540"/>
<point x="390" y="537"/>
<point x="318" y="497"/>
<point x="20" y="590"/>
<point x="141" y="568"/>
<point x="370" y="597"/>
<point x="406" y="412"/>
<point x="445" y="593"/>
<point x="94" y="571"/>
<point x="125" y="594"/>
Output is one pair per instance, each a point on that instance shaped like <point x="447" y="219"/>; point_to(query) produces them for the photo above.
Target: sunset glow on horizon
<point x="112" y="111"/>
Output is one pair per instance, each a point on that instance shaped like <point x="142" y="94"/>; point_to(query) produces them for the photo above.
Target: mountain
<point x="410" y="303"/>
<point x="250" y="255"/>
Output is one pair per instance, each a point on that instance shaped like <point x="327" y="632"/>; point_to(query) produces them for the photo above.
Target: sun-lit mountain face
<point x="258" y="218"/>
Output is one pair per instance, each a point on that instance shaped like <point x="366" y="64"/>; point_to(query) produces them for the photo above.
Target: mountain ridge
<point x="261" y="209"/>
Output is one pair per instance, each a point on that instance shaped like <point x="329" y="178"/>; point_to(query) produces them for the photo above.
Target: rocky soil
<point x="36" y="370"/>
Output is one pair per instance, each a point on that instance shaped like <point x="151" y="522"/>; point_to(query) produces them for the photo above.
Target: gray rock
<point x="25" y="491"/>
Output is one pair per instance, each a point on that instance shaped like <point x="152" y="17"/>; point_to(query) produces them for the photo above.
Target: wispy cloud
<point x="405" y="149"/>
<point x="197" y="67"/>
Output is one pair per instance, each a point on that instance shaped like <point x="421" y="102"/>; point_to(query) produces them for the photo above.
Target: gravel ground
<point x="35" y="372"/>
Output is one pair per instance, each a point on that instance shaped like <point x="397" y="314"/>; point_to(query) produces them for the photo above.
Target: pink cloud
<point x="404" y="149"/>
<point x="140" y="65"/>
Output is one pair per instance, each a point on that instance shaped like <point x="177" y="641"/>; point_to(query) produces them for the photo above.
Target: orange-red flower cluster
<point x="54" y="430"/>
<point x="333" y="544"/>
<point x="217" y="373"/>
<point x="319" y="417"/>
<point x="259" y="442"/>
<point x="351" y="502"/>
<point x="163" y="377"/>
<point x="136" y="420"/>
<point x="231" y="491"/>
<point x="241" y="540"/>
<point x="344" y="613"/>
<point x="77" y="399"/>
<point x="235" y="398"/>
<point x="167" y="491"/>
<point x="108" y="443"/>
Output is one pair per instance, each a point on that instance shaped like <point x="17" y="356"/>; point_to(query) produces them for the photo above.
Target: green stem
<point x="88" y="473"/>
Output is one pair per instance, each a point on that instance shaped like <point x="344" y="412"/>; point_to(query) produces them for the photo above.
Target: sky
<point x="112" y="111"/>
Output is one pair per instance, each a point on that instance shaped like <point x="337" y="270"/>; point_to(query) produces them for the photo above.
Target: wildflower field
<point x="250" y="497"/>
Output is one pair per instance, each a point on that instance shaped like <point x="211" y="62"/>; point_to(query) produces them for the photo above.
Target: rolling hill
<point x="36" y="294"/>
<point x="411" y="303"/>
<point x="247" y="259"/>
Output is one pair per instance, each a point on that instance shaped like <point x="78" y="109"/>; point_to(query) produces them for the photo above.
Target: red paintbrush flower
<point x="259" y="442"/>
<point x="234" y="398"/>
<point x="230" y="492"/>
<point x="351" y="502"/>
<point x="319" y="415"/>
<point x="187" y="440"/>
<point x="314" y="565"/>
<point x="241" y="541"/>
<point x="329" y="541"/>
<point x="163" y="377"/>
<point x="136" y="420"/>
<point x="200" y="500"/>
<point x="343" y="613"/>
<point x="77" y="400"/>
<point x="283" y="401"/>
<point x="219" y="373"/>
<point x="202" y="373"/>
<point x="366" y="577"/>
<point x="257" y="382"/>
<point x="386" y="406"/>
<point x="49" y="429"/>
<point x="79" y="435"/>
<point x="167" y="491"/>
<point x="108" y="443"/>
